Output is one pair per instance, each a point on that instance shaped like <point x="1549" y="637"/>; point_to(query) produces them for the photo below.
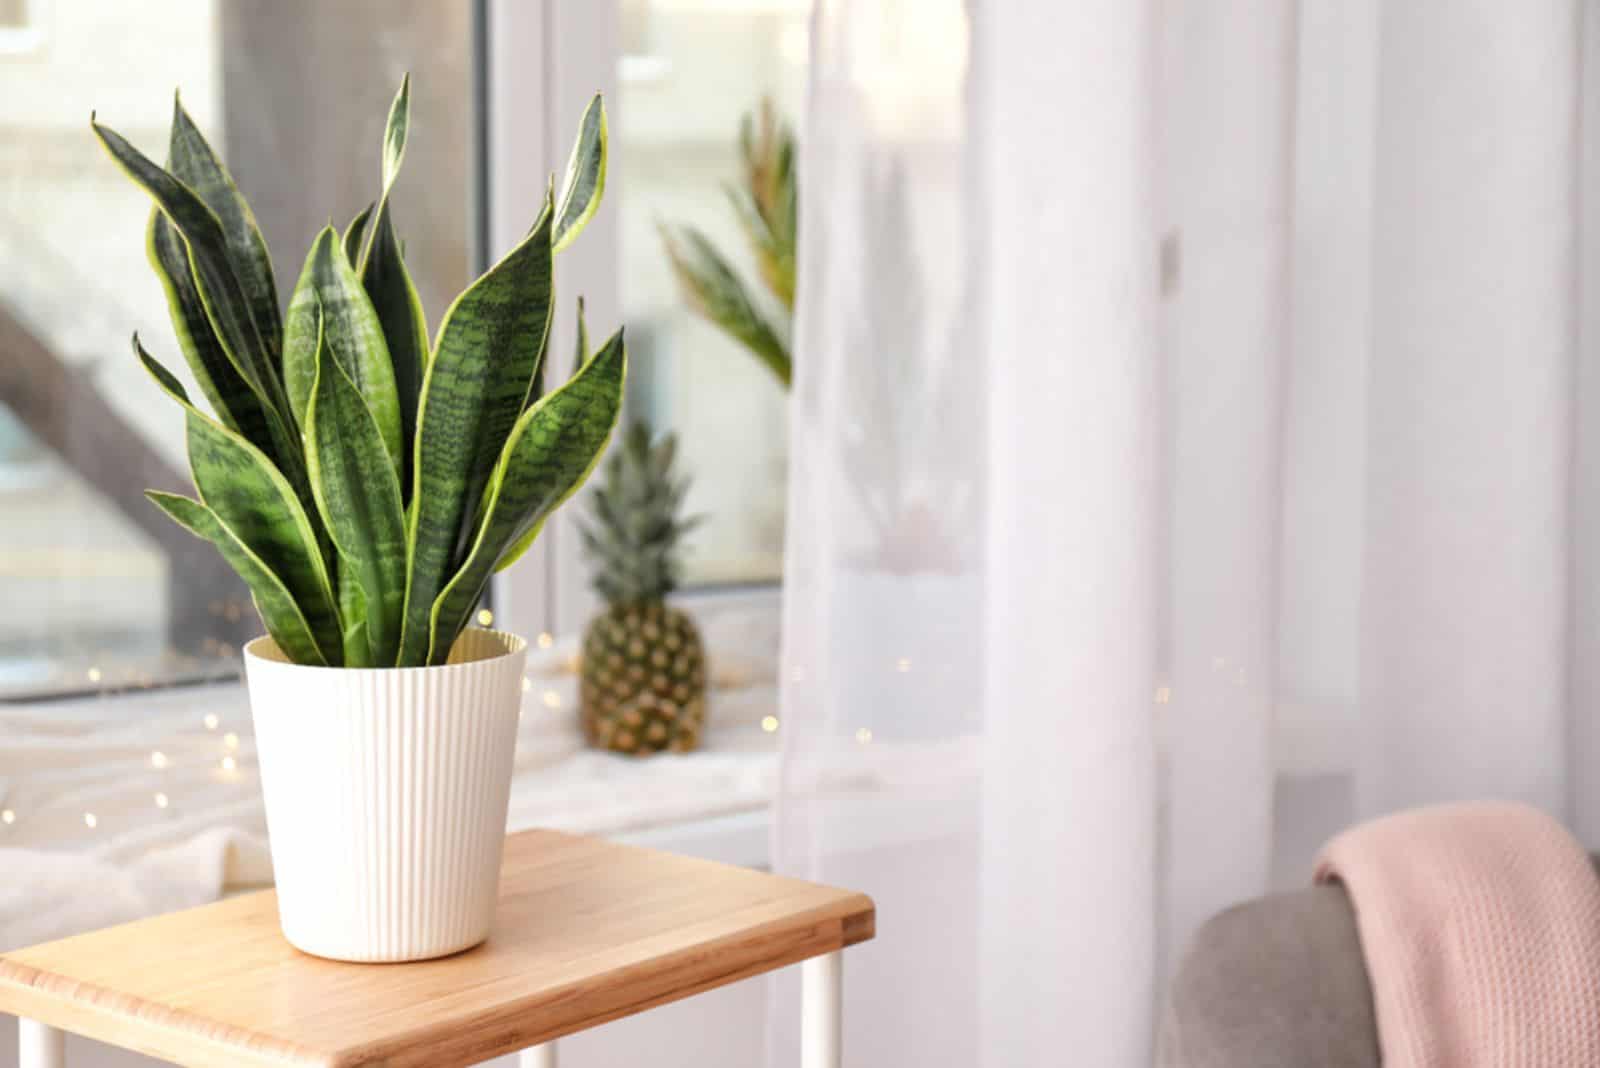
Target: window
<point x="690" y="69"/>
<point x="99" y="590"/>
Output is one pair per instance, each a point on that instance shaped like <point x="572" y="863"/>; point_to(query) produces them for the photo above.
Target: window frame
<point x="540" y="61"/>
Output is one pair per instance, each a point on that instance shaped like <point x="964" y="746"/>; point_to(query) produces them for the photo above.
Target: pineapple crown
<point x="635" y="539"/>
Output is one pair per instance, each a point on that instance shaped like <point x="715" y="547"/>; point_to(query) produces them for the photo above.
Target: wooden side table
<point x="587" y="931"/>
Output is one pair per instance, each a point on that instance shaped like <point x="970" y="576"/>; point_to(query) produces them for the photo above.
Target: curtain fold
<point x="1469" y="431"/>
<point x="1189" y="459"/>
<point x="1228" y="172"/>
<point x="1071" y="351"/>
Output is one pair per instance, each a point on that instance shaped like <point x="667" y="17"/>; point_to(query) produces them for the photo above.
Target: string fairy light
<point x="903" y="665"/>
<point x="229" y="764"/>
<point x="769" y="724"/>
<point x="90" y="821"/>
<point x="161" y="800"/>
<point x="231" y="740"/>
<point x="211" y="721"/>
<point x="546" y="639"/>
<point x="527" y="684"/>
<point x="7" y="816"/>
<point x="485" y="617"/>
<point x="158" y="759"/>
<point x="552" y="699"/>
<point x="864" y="735"/>
<point x="94" y="674"/>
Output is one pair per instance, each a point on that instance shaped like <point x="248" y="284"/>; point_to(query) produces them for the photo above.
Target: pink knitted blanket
<point x="1480" y="924"/>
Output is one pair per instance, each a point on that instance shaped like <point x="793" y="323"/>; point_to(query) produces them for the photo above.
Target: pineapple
<point x="644" y="670"/>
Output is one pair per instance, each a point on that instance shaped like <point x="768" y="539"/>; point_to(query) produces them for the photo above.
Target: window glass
<point x="690" y="70"/>
<point x="97" y="589"/>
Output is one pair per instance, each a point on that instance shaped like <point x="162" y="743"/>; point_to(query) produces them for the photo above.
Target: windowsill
<point x="133" y="779"/>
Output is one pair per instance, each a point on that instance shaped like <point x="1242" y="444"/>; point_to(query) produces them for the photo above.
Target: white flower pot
<point x="386" y="793"/>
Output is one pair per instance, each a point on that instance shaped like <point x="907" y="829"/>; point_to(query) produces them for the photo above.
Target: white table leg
<point x="822" y="1012"/>
<point x="40" y="1046"/>
<point x="543" y="1056"/>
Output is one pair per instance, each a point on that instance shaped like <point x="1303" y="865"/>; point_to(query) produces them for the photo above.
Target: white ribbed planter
<point x="386" y="793"/>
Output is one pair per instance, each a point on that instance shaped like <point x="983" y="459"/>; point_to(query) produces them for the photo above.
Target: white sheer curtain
<point x="1190" y="458"/>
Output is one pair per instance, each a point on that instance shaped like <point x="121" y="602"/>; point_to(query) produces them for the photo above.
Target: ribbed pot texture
<point x="386" y="793"/>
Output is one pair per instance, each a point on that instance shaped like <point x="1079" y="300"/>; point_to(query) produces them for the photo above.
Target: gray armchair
<point x="1274" y="983"/>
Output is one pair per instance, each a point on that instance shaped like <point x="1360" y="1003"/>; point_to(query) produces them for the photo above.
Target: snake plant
<point x="364" y="482"/>
<point x="765" y="204"/>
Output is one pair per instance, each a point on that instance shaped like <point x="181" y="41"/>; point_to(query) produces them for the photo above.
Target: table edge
<point x="181" y="1035"/>
<point x="132" y="1023"/>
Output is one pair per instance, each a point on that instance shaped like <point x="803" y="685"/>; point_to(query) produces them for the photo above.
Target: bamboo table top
<point x="587" y="931"/>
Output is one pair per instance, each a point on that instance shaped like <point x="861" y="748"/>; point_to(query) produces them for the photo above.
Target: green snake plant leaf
<point x="329" y="307"/>
<point x="273" y="601"/>
<point x="395" y="131"/>
<point x="353" y="617"/>
<point x="193" y="163"/>
<point x="389" y="286"/>
<point x="551" y="451"/>
<point x="524" y="541"/>
<point x="356" y="233"/>
<point x="358" y="497"/>
<point x="580" y="355"/>
<point x="541" y="365"/>
<point x="236" y="404"/>
<point x="405" y="326"/>
<point x="225" y="302"/>
<point x="239" y="483"/>
<point x="476" y="385"/>
<point x="713" y="289"/>
<point x="585" y="181"/>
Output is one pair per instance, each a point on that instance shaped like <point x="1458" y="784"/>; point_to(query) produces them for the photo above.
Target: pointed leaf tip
<point x="395" y="129"/>
<point x="585" y="180"/>
<point x="329" y="290"/>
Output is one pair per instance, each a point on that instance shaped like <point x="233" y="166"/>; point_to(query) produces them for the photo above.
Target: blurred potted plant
<point x="909" y="531"/>
<point x="766" y="202"/>
<point x="905" y="542"/>
<point x="366" y="484"/>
